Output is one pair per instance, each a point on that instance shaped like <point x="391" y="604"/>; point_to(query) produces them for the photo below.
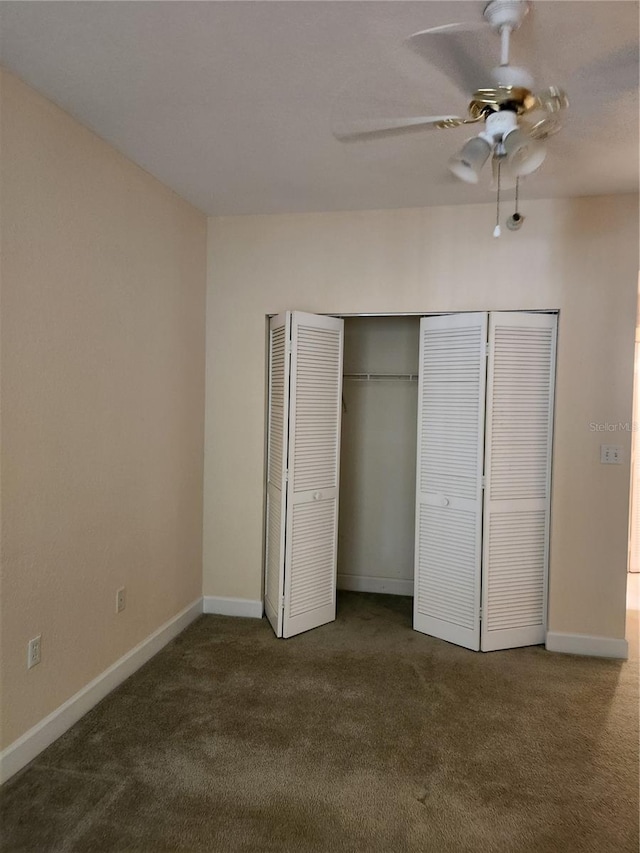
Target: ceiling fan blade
<point x="541" y="127"/>
<point x="464" y="52"/>
<point x="373" y="128"/>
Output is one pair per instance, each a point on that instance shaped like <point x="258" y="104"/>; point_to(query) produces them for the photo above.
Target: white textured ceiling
<point x="230" y="103"/>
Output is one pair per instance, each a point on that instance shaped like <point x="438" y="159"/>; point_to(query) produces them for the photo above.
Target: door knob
<point x="317" y="496"/>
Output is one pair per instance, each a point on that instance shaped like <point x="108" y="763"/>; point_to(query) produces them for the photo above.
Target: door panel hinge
<point x="484" y="482"/>
<point x="485" y="349"/>
<point x="481" y="614"/>
<point x="282" y="603"/>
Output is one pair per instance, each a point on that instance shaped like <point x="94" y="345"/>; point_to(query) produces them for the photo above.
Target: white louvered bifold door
<point x="520" y="384"/>
<point x="277" y="443"/>
<point x="315" y="410"/>
<point x="451" y="401"/>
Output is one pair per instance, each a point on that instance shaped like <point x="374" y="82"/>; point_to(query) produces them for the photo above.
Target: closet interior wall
<point x="378" y="456"/>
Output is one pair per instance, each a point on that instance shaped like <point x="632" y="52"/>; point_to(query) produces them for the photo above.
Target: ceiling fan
<point x="515" y="119"/>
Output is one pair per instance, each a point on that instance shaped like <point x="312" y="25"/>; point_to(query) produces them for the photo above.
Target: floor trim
<point x="223" y="606"/>
<point x="586" y="644"/>
<point x="367" y="583"/>
<point x="23" y="750"/>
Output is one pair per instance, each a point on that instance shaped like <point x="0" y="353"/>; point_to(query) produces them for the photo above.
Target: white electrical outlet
<point x="610" y="454"/>
<point x="34" y="651"/>
<point x="121" y="599"/>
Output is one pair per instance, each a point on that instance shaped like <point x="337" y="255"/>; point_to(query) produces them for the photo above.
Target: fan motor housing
<point x="505" y="13"/>
<point x="514" y="98"/>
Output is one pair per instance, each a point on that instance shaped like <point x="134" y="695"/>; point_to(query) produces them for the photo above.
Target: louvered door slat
<point x="518" y="469"/>
<point x="277" y="443"/>
<point x="451" y="398"/>
<point x="314" y="449"/>
<point x="312" y="561"/>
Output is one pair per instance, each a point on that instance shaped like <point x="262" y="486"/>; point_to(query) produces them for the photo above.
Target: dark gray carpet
<point x="359" y="736"/>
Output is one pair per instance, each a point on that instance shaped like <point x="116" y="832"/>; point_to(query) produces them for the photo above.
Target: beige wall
<point x="103" y="300"/>
<point x="103" y="303"/>
<point x="579" y="256"/>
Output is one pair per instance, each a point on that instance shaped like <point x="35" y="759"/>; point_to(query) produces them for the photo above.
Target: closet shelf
<point x="381" y="377"/>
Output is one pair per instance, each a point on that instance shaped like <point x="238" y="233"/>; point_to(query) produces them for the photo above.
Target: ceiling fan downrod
<point x="505" y="16"/>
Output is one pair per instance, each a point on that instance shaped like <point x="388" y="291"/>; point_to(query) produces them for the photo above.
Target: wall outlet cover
<point x="610" y="454"/>
<point x="34" y="651"/>
<point x="121" y="599"/>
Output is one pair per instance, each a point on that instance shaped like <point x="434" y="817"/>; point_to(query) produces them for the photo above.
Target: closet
<point x="482" y="463"/>
<point x="378" y="454"/>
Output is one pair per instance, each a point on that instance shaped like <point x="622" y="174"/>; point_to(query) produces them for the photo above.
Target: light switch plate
<point x="610" y="454"/>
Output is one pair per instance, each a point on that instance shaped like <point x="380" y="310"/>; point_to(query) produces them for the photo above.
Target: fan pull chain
<point x="514" y="222"/>
<point x="496" y="230"/>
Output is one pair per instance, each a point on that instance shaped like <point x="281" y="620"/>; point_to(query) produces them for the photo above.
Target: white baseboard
<point x="363" y="583"/>
<point x="586" y="644"/>
<point x="223" y="606"/>
<point x="18" y="754"/>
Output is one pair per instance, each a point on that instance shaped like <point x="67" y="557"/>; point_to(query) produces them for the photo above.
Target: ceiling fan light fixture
<point x="468" y="162"/>
<point x="523" y="154"/>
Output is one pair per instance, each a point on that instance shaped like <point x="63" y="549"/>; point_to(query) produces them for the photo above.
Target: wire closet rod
<point x="381" y="377"/>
